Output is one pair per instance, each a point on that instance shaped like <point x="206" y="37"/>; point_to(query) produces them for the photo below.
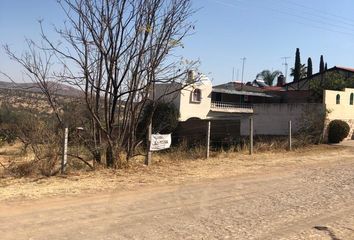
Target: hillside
<point x="29" y="96"/>
<point x="58" y="88"/>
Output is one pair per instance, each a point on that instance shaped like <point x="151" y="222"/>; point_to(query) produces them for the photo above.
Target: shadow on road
<point x="328" y="231"/>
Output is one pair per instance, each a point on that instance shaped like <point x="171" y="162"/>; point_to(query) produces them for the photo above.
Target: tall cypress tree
<point x="297" y="67"/>
<point x="322" y="65"/>
<point x="326" y="67"/>
<point x="309" y="67"/>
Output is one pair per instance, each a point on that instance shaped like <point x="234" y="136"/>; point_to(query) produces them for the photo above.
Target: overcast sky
<point x="263" y="31"/>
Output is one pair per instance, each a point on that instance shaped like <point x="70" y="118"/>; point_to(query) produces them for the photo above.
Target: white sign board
<point x="160" y="142"/>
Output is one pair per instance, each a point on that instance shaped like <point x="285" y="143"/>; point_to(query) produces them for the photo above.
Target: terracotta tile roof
<point x="273" y="88"/>
<point x="345" y="68"/>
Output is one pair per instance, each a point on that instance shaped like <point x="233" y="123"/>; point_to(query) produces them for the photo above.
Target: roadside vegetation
<point x="31" y="141"/>
<point x="338" y="130"/>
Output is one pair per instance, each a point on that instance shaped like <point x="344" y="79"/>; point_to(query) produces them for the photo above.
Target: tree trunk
<point x="109" y="156"/>
<point x="96" y="133"/>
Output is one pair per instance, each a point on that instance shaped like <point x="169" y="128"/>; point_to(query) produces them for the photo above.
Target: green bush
<point x="337" y="131"/>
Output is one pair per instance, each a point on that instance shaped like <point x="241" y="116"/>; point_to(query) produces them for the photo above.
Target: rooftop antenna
<point x="233" y="74"/>
<point x="243" y="68"/>
<point x="286" y="65"/>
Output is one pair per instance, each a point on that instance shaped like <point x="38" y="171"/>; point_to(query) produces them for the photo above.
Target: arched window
<point x="196" y="95"/>
<point x="338" y="99"/>
<point x="351" y="99"/>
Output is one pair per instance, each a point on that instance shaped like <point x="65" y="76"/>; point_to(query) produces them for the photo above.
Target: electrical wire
<point x="310" y="22"/>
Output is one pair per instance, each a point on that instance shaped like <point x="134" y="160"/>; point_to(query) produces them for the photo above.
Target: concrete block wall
<point x="273" y="119"/>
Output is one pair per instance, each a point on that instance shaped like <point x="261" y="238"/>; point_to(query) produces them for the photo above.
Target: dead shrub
<point x="270" y="143"/>
<point x="24" y="169"/>
<point x="182" y="152"/>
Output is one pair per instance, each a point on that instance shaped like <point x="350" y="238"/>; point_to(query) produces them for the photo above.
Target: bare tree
<point x="116" y="51"/>
<point x="38" y="69"/>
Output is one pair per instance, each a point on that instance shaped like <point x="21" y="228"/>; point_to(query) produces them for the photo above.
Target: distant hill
<point x="58" y="88"/>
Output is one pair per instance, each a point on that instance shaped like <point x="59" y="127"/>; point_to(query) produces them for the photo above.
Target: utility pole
<point x="286" y="65"/>
<point x="243" y="68"/>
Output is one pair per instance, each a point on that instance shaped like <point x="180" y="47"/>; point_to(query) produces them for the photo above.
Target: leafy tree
<point x="322" y="65"/>
<point x="269" y="76"/>
<point x="164" y="118"/>
<point x="297" y="67"/>
<point x="331" y="81"/>
<point x="309" y="67"/>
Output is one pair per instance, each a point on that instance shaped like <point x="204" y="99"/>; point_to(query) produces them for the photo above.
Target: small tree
<point x="297" y="68"/>
<point x="322" y="64"/>
<point x="36" y="130"/>
<point x="309" y="67"/>
<point x="311" y="125"/>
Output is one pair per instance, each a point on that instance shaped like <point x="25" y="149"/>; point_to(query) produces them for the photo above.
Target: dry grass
<point x="166" y="169"/>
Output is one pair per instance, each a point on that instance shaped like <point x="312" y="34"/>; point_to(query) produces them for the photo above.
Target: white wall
<point x="183" y="98"/>
<point x="188" y="109"/>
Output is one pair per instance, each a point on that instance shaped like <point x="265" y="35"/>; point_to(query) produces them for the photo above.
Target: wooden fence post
<point x="208" y="140"/>
<point x="290" y="136"/>
<point x="65" y="150"/>
<point x="251" y="136"/>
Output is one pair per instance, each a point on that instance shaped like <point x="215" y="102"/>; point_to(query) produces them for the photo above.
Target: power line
<point x="328" y="15"/>
<point x="323" y="24"/>
<point x="311" y="14"/>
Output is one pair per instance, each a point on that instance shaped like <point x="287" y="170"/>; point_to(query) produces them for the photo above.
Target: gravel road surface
<point x="309" y="202"/>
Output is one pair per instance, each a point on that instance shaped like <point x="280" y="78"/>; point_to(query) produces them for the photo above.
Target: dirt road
<point x="309" y="202"/>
